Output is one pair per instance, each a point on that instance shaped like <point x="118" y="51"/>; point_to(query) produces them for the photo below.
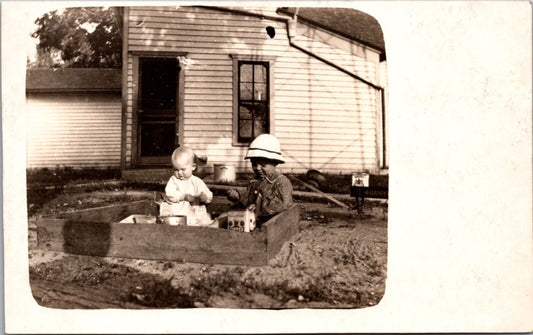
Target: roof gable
<point x="72" y="80"/>
<point x="347" y="22"/>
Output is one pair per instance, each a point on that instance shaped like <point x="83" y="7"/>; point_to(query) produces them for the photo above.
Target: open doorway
<point x="157" y="114"/>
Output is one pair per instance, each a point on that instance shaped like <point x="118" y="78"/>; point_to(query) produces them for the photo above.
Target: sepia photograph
<point x="197" y="157"/>
<point x="253" y="167"/>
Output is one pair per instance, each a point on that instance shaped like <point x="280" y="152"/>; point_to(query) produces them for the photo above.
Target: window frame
<point x="269" y="60"/>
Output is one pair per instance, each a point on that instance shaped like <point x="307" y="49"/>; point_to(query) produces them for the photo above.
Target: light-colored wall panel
<point x="73" y="130"/>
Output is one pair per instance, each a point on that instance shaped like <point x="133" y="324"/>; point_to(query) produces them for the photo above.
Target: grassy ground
<point x="334" y="183"/>
<point x="66" y="175"/>
<point x="46" y="184"/>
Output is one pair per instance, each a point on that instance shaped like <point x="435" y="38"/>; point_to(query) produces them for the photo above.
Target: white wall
<point x="73" y="129"/>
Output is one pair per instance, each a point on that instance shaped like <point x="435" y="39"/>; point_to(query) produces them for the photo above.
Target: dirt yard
<point x="337" y="260"/>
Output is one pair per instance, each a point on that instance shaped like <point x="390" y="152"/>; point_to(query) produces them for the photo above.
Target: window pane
<point x="246" y="91"/>
<point x="157" y="139"/>
<point x="260" y="73"/>
<point x="158" y="84"/>
<point x="260" y="111"/>
<point x="260" y="92"/>
<point x="259" y="127"/>
<point x="245" y="112"/>
<point x="245" y="129"/>
<point x="246" y="73"/>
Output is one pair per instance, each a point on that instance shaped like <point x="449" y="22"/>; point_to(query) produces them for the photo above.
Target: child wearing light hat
<point x="186" y="194"/>
<point x="271" y="192"/>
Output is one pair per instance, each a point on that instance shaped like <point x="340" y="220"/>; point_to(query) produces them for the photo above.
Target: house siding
<point x="73" y="130"/>
<point x="323" y="118"/>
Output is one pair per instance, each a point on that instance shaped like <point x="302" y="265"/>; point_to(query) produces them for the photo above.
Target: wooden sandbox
<point x="97" y="232"/>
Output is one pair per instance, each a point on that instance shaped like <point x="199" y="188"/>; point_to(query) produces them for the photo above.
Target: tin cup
<point x="174" y="220"/>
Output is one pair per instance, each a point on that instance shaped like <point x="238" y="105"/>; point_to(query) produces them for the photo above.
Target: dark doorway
<point x="158" y="106"/>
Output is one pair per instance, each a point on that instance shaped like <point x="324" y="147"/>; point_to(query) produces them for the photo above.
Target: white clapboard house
<point x="213" y="78"/>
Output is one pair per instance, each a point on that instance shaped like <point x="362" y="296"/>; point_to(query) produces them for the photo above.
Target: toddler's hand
<point x="189" y="198"/>
<point x="251" y="207"/>
<point x="233" y="195"/>
<point x="203" y="197"/>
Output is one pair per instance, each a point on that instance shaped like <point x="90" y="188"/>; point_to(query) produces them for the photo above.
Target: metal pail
<point x="224" y="173"/>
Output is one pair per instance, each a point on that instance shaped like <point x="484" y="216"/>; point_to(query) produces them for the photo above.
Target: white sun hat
<point x="265" y="146"/>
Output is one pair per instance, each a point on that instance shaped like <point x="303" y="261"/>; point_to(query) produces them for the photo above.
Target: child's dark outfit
<point x="271" y="195"/>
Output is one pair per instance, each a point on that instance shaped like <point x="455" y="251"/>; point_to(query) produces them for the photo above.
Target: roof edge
<point x="243" y="12"/>
<point x="73" y="80"/>
<point x="285" y="11"/>
<point x="73" y="90"/>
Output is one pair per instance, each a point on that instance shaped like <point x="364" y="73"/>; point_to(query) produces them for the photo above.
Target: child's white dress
<point x="177" y="189"/>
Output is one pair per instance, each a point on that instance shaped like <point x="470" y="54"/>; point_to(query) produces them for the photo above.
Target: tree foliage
<point x="80" y="37"/>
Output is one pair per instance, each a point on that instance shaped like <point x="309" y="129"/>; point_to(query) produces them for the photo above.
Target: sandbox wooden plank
<point x="96" y="232"/>
<point x="112" y="213"/>
<point x="280" y="229"/>
<point x="154" y="241"/>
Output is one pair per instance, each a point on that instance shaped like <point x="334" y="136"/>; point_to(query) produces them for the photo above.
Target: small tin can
<point x="174" y="220"/>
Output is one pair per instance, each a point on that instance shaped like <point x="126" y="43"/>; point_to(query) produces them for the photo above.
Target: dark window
<point x="158" y="85"/>
<point x="253" y="101"/>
